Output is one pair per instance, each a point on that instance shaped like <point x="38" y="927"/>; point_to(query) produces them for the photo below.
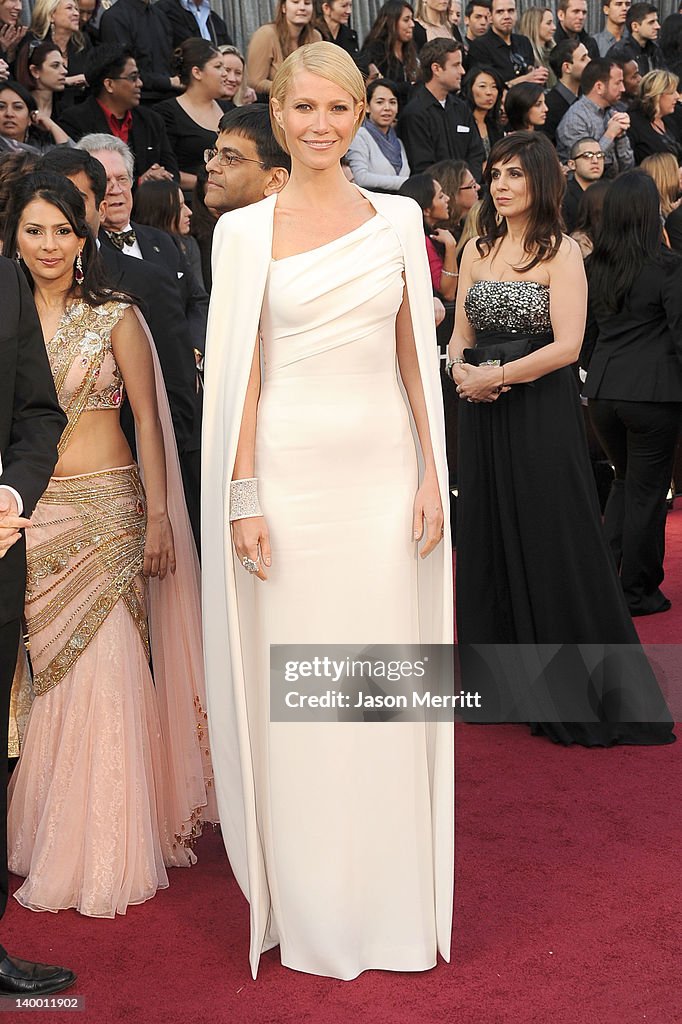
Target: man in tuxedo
<point x="31" y="424"/>
<point x="113" y="107"/>
<point x="140" y="240"/>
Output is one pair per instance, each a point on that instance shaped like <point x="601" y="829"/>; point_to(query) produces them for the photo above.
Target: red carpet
<point x="567" y="907"/>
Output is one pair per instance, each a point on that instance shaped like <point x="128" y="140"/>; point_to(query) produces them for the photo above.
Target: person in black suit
<point x="139" y="240"/>
<point x="185" y="21"/>
<point x="155" y="291"/>
<point x="634" y="378"/>
<point x="508" y="52"/>
<point x="435" y="125"/>
<point x="113" y="107"/>
<point x="31" y="423"/>
<point x="145" y="30"/>
<point x="568" y="60"/>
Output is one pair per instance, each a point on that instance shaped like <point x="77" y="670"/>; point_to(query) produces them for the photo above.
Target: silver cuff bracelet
<point x="244" y="499"/>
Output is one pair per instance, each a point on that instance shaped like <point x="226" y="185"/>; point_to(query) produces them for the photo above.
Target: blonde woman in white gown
<point x="340" y="834"/>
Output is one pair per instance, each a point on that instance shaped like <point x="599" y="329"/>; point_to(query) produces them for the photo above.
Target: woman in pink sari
<point x="114" y="780"/>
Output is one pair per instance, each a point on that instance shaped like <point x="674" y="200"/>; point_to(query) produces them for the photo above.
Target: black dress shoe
<point x="24" y="978"/>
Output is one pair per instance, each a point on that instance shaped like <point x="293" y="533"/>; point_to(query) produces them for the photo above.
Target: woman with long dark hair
<point x="483" y="89"/>
<point x="634" y="379"/>
<point x="441" y="244"/>
<point x="47" y="79"/>
<point x="112" y="784"/>
<point x="533" y="567"/>
<point x="57" y="22"/>
<point x="390" y="46"/>
<point x="525" y="107"/>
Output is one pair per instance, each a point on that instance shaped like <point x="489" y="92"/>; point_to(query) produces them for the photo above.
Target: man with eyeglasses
<point x="509" y="53"/>
<point x="586" y="164"/>
<point x="247" y="164"/>
<point x="113" y="108"/>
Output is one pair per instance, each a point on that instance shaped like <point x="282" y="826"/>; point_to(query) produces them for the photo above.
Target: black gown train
<point x="543" y="627"/>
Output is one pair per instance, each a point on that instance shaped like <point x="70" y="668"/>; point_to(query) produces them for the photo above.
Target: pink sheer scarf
<point x="177" y="650"/>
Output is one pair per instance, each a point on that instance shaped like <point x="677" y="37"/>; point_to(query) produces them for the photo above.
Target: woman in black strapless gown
<point x="542" y="624"/>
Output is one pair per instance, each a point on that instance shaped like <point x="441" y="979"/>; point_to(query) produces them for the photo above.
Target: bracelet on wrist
<point x="453" y="362"/>
<point x="450" y="273"/>
<point x="244" y="502"/>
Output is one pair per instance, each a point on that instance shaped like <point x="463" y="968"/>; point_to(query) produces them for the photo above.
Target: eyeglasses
<point x="134" y="76"/>
<point x="598" y="155"/>
<point x="463" y="188"/>
<point x="227" y="159"/>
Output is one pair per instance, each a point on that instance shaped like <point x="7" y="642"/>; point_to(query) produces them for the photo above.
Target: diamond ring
<point x="249" y="564"/>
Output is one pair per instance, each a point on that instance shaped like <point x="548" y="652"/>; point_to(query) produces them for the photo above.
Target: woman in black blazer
<point x="633" y="357"/>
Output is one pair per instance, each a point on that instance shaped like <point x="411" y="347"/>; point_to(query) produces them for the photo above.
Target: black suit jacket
<point x="158" y="247"/>
<point x="431" y="132"/>
<point x="31" y="421"/>
<point x="185" y="26"/>
<point x="145" y="30"/>
<point x="635" y="355"/>
<point x="160" y="302"/>
<point x="148" y="138"/>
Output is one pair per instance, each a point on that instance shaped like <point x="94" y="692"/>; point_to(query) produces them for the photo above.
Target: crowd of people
<point x="126" y="134"/>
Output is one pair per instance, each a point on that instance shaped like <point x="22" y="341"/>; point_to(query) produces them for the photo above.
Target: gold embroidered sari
<point x="115" y="777"/>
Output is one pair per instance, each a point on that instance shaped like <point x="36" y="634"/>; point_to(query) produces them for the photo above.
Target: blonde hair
<point x="420" y="12"/>
<point x="472" y="226"/>
<point x="41" y="21"/>
<point x="654" y="85"/>
<point x="329" y="62"/>
<point x="228" y="50"/>
<point x="529" y="25"/>
<point x="662" y="167"/>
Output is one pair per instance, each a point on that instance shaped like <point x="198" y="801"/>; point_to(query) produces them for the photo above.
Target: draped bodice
<point x="81" y="357"/>
<point x="346" y="291"/>
<point x="514" y="307"/>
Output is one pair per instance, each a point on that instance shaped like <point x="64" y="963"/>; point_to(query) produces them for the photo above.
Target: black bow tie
<point x="121" y="238"/>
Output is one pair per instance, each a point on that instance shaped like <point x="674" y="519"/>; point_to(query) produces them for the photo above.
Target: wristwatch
<point x="450" y="363"/>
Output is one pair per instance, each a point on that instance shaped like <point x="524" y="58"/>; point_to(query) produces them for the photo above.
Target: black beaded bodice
<point x="517" y="307"/>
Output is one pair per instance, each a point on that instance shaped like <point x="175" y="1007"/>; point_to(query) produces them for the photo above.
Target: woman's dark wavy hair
<point x="546" y="185"/>
<point x="157" y="203"/>
<point x="630" y="235"/>
<point x="421" y="188"/>
<point x="63" y="194"/>
<point x="518" y="102"/>
<point x="384" y="32"/>
<point x="492" y="118"/>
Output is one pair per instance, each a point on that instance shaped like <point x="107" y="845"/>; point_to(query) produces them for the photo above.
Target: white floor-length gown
<point x="340" y="833"/>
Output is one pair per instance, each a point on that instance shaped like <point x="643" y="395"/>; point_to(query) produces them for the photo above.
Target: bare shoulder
<point x="569" y="250"/>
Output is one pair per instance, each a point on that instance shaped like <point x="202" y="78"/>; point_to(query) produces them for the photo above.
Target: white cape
<point x="241" y="260"/>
